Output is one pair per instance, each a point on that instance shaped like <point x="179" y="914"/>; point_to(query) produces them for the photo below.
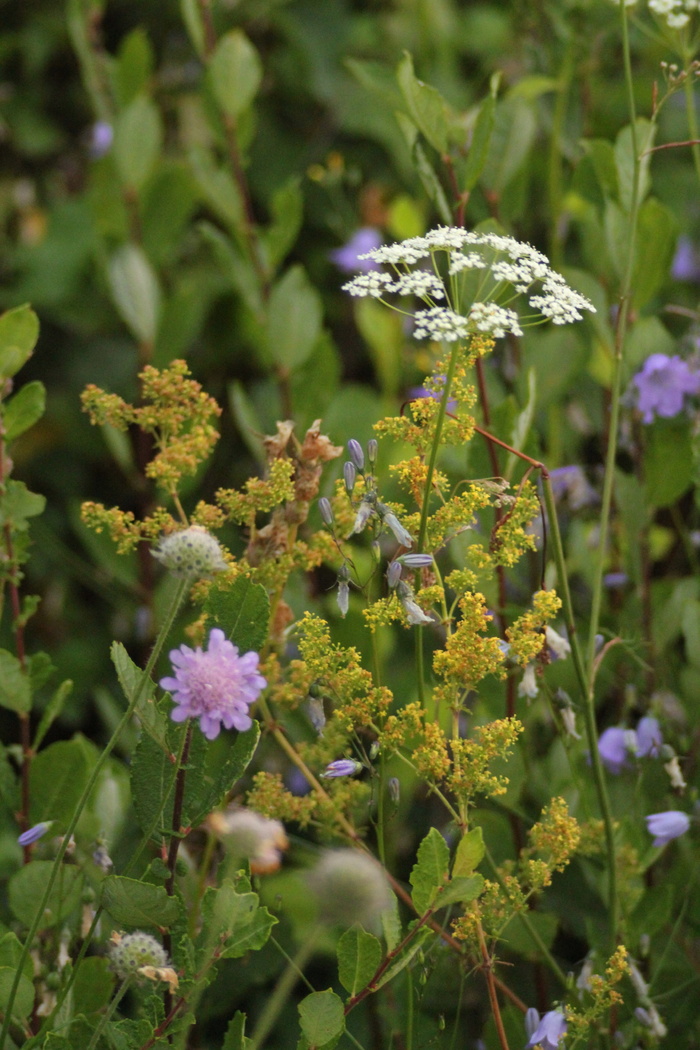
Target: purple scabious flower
<point x="217" y="686"/>
<point x="667" y="826"/>
<point x="364" y="240"/>
<point x="662" y="386"/>
<point x="549" y="1031"/>
<point x="613" y="749"/>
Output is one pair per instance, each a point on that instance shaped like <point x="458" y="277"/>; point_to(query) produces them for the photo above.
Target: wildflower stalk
<point x="691" y="116"/>
<point x="109" y="1013"/>
<point x="180" y="593"/>
<point x="423" y="528"/>
<point x="611" y="453"/>
<point x="283" y="989"/>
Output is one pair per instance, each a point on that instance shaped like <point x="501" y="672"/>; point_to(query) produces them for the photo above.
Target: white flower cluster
<point x="507" y="266"/>
<point x="676" y="12"/>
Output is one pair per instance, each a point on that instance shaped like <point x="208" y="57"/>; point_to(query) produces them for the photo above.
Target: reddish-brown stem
<point x="487" y="967"/>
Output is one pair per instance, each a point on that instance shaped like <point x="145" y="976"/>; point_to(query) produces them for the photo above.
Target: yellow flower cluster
<point x="471" y="772"/>
<point x="525" y="633"/>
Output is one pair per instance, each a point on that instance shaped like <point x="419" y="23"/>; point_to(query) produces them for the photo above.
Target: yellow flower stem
<point x="427" y="492"/>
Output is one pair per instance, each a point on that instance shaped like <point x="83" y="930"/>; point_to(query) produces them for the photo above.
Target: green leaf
<point x="208" y="780"/>
<point x="415" y="946"/>
<point x="19" y="331"/>
<point x="15" y="688"/>
<point x="480" y="138"/>
<point x="235" y="1033"/>
<point x="24" y="409"/>
<point x="322" y="1018"/>
<point x="431" y="183"/>
<point x="18" y="504"/>
<point x="242" y="611"/>
<point x="134" y="65"/>
<point x="234" y="266"/>
<point x="430" y="872"/>
<point x="28" y="885"/>
<point x="134" y="903"/>
<point x="24" y="996"/>
<point x="624" y="161"/>
<point x="514" y="129"/>
<point x="461" y="890"/>
<point x="287" y="209"/>
<point x="93" y="986"/>
<point x="232" y="922"/>
<point x="294" y="319"/>
<point x="359" y="955"/>
<point x="135" y="291"/>
<point x="383" y="331"/>
<point x="602" y="155"/>
<point x="657" y="233"/>
<point x="191" y="15"/>
<point x="217" y="186"/>
<point x="138" y="136"/>
<point x="58" y="777"/>
<point x="130" y="677"/>
<point x="10" y="953"/>
<point x="668" y="461"/>
<point x="235" y="71"/>
<point x="427" y="107"/>
<point x="469" y="853"/>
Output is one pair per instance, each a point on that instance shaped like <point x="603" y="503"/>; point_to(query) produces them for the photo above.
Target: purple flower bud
<point x="394" y="789"/>
<point x="372" y="450"/>
<point x="349" y="476"/>
<point x="343" y="597"/>
<point x="570" y="483"/>
<point x="356" y="454"/>
<point x="416" y="561"/>
<point x="35" y="833"/>
<point x="393" y="574"/>
<point x="325" y="509"/>
<point x="414" y="613"/>
<point x="342" y="767"/>
<point x="667" y="826"/>
<point x="532" y="1020"/>
<point x="549" y="1031"/>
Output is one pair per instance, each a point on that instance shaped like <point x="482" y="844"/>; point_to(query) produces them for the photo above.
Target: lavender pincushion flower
<point x="662" y="386"/>
<point x="217" y="686"/>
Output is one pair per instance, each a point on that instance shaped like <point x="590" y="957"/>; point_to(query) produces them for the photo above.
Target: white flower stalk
<point x="506" y="268"/>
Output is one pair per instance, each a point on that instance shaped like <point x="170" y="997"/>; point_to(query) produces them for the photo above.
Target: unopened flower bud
<point x="342" y="767"/>
<point x="349" y="887"/>
<point x="372" y="450"/>
<point x="35" y="833"/>
<point x="191" y="552"/>
<point x="349" y="475"/>
<point x="394" y="789"/>
<point x="325" y="510"/>
<point x="393" y="574"/>
<point x="364" y="513"/>
<point x="416" y="561"/>
<point x="356" y="454"/>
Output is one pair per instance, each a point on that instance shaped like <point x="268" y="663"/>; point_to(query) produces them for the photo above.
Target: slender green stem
<point x="109" y="1013"/>
<point x="555" y="156"/>
<point x="89" y="787"/>
<point x="691" y="114"/>
<point x="423" y="528"/>
<point x="283" y="990"/>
